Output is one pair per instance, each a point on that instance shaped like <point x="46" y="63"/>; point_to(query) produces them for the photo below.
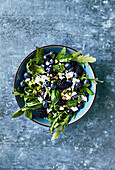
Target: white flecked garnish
<point x="40" y="99"/>
<point x="74" y="108"/>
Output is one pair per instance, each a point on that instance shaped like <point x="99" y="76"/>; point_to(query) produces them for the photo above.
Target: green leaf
<point x="28" y="114"/>
<point x="16" y="93"/>
<point x="84" y="59"/>
<point x="38" y="69"/>
<point x="86" y="85"/>
<point x="28" y="66"/>
<point x="53" y="56"/>
<point x="55" y="96"/>
<point x="89" y="91"/>
<point x="75" y="54"/>
<point x="63" y="131"/>
<point x="56" y="107"/>
<point x="58" y="68"/>
<point x="57" y="133"/>
<point x="74" y="115"/>
<point x="71" y="103"/>
<point x="17" y="114"/>
<point x="39" y="55"/>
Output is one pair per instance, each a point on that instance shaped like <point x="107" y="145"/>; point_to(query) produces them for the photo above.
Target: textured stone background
<point x="86" y="25"/>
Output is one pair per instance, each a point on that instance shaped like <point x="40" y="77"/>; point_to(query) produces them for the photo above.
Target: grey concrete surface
<point x="80" y="24"/>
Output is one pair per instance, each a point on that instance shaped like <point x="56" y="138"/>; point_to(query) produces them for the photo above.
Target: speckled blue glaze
<point x="57" y="49"/>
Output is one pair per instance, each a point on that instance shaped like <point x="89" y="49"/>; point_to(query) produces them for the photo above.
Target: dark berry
<point x="42" y="113"/>
<point x="78" y="69"/>
<point x="73" y="63"/>
<point x="45" y="104"/>
<point x="51" y="61"/>
<point x="69" y="111"/>
<point x="53" y="85"/>
<point x="63" y="84"/>
<point x="61" y="102"/>
<point x="45" y="57"/>
<point x="60" y="90"/>
<point x="80" y="105"/>
<point x="78" y="84"/>
<point x="51" y="52"/>
<point x="71" y="69"/>
<point x="23" y="84"/>
<point x="75" y="75"/>
<point x="43" y="89"/>
<point x="27" y="75"/>
<point x="47" y="83"/>
<point x="43" y="65"/>
<point x="87" y="81"/>
<point x="67" y="66"/>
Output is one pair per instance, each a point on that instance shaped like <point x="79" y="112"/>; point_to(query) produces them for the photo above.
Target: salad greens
<point x="38" y="95"/>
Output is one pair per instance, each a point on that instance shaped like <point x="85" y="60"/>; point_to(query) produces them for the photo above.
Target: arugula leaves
<point x="55" y="96"/>
<point x="17" y="114"/>
<point x="58" y="68"/>
<point x="39" y="55"/>
<point x="71" y="103"/>
<point x="84" y="59"/>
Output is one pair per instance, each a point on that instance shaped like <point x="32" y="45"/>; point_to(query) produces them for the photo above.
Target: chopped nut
<point x="34" y="92"/>
<point x="40" y="91"/>
<point x="68" y="107"/>
<point x="64" y="106"/>
<point x="38" y="88"/>
<point x="72" y="90"/>
<point x="56" y="61"/>
<point x="56" y="77"/>
<point x="64" y="91"/>
<point x="78" y="101"/>
<point x="64" y="98"/>
<point x="52" y="81"/>
<point x="62" y="94"/>
<point x="50" y="75"/>
<point x="69" y="93"/>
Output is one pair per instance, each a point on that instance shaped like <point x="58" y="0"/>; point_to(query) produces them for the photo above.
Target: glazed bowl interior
<point x="19" y="77"/>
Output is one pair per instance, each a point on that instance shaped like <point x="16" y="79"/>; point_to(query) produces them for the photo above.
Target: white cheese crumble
<point x="61" y="108"/>
<point x="43" y="78"/>
<point x="73" y="93"/>
<point x="40" y="99"/>
<point x="27" y="80"/>
<point x="61" y="75"/>
<point x="74" y="108"/>
<point x="84" y="98"/>
<point x="67" y="96"/>
<point x="69" y="74"/>
<point x="74" y="81"/>
<point x="48" y="110"/>
<point x="69" y="89"/>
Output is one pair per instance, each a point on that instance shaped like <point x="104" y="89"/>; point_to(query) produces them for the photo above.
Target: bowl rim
<point x="46" y="47"/>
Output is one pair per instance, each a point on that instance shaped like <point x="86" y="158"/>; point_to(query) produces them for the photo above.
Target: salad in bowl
<point x="53" y="87"/>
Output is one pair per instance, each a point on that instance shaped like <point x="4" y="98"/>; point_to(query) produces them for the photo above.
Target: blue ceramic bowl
<point x="19" y="77"/>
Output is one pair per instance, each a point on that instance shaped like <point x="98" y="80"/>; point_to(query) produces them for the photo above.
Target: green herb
<point x="16" y="93"/>
<point x="55" y="96"/>
<point x="57" y="133"/>
<point x="71" y="103"/>
<point x="28" y="114"/>
<point x="39" y="55"/>
<point x="58" y="68"/>
<point x="61" y="54"/>
<point x="17" y="114"/>
<point x="84" y="59"/>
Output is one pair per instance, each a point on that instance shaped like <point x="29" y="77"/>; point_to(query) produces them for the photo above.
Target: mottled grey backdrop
<point x="86" y="25"/>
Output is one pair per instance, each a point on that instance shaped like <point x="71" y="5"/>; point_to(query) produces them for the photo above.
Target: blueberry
<point x="86" y="94"/>
<point x="47" y="83"/>
<point x="43" y="65"/>
<point x="51" y="61"/>
<point x="50" y="66"/>
<point x="53" y="85"/>
<point x="60" y="90"/>
<point x="45" y="57"/>
<point x="76" y="97"/>
<point x="67" y="66"/>
<point x="69" y="111"/>
<point x="51" y="52"/>
<point x="45" y="104"/>
<point x="75" y="75"/>
<point x="23" y="84"/>
<point x="78" y="84"/>
<point x="69" y="81"/>
<point x="49" y="70"/>
<point x="43" y="89"/>
<point x="27" y="75"/>
<point x="80" y="105"/>
<point x="71" y="69"/>
<point x="87" y="81"/>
